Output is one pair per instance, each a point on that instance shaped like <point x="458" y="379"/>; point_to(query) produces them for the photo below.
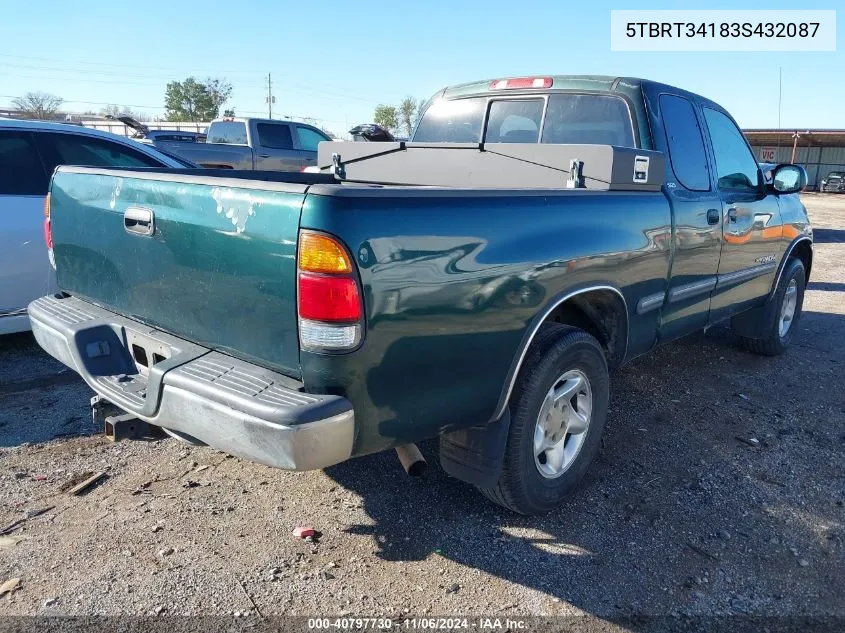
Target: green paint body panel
<point x="454" y="281"/>
<point x="219" y="269"/>
<point x="452" y="284"/>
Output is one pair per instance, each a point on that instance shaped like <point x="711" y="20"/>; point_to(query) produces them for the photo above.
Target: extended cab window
<point x="514" y="121"/>
<point x="274" y="135"/>
<point x="590" y="119"/>
<point x="76" y="149"/>
<point x="309" y="139"/>
<point x="686" y="145"/>
<point x="452" y="121"/>
<point x="21" y="171"/>
<point x="228" y="132"/>
<point x="736" y="168"/>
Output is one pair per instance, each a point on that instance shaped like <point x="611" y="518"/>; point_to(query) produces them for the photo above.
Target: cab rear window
<point x="229" y="132"/>
<point x="569" y="118"/>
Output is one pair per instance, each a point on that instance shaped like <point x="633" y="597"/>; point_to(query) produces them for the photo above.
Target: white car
<point x="29" y="152"/>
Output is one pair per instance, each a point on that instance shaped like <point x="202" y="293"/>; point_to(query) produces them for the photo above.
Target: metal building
<point x="818" y="151"/>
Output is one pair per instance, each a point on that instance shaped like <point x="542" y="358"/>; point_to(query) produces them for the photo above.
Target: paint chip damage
<point x="236" y="206"/>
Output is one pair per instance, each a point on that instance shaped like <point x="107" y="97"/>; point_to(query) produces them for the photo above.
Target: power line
<point x="294" y="88"/>
<point x="89" y="63"/>
<point x="152" y="107"/>
<point x="85" y="71"/>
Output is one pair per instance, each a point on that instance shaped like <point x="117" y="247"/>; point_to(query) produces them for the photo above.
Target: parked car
<point x="29" y="152"/>
<point x="834" y="182"/>
<point x="299" y="320"/>
<point x="158" y="137"/>
<point x="255" y="144"/>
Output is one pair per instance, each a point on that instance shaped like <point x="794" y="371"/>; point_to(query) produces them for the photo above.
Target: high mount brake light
<point x="328" y="300"/>
<point x="521" y="82"/>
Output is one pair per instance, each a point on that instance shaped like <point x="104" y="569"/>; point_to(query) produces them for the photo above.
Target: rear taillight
<point x="328" y="300"/>
<point x="48" y="229"/>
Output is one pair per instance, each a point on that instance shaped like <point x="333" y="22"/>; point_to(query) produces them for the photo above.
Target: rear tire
<point x="558" y="412"/>
<point x="776" y="332"/>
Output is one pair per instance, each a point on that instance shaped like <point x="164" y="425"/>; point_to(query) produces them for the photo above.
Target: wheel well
<point x="602" y="314"/>
<point x="804" y="252"/>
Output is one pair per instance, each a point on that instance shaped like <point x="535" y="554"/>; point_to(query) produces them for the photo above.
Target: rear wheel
<point x="777" y="330"/>
<point x="558" y="412"/>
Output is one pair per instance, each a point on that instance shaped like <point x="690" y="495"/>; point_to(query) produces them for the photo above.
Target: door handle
<point x="713" y="216"/>
<point x="139" y="221"/>
<point x="264" y="156"/>
<point x="732" y="214"/>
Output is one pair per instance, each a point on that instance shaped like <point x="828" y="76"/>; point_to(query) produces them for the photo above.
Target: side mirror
<point x="788" y="178"/>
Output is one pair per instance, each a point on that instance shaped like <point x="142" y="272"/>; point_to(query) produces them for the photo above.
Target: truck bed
<point x="444" y="272"/>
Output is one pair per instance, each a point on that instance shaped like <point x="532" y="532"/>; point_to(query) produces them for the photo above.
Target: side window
<point x="736" y="168"/>
<point x="514" y="121"/>
<point x="591" y="119"/>
<point x="227" y="132"/>
<point x="76" y="149"/>
<point x="21" y="170"/>
<point x="274" y="135"/>
<point x="308" y="138"/>
<point x="686" y="145"/>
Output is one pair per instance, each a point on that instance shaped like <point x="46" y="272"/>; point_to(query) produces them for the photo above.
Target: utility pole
<point x="270" y="98"/>
<point x="780" y="99"/>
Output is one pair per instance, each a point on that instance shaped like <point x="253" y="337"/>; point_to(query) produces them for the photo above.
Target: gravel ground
<point x="683" y="513"/>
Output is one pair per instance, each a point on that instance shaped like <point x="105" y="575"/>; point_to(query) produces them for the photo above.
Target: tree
<point x="116" y="111"/>
<point x="386" y="116"/>
<point x="230" y="112"/>
<point x="193" y="100"/>
<point x="38" y="105"/>
<point x="220" y="91"/>
<point x="407" y="114"/>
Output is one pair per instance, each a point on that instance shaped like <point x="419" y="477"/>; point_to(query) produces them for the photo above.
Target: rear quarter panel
<point x="452" y="281"/>
<point x="25" y="271"/>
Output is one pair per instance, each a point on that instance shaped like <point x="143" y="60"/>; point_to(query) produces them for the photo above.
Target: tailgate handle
<point x="139" y="221"/>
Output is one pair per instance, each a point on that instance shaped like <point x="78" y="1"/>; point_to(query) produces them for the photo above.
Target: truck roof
<point x="600" y="83"/>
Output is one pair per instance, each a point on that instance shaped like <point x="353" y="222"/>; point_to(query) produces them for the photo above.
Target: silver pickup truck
<point x="261" y="144"/>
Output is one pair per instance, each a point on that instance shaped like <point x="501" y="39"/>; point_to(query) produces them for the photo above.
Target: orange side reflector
<point x="47" y="206"/>
<point x="322" y="254"/>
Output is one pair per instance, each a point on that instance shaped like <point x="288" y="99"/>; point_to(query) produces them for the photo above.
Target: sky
<point x="335" y="60"/>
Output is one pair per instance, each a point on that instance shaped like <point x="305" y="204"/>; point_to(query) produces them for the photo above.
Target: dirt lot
<point x="682" y="514"/>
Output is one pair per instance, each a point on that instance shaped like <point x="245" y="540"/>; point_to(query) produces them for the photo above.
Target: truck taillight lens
<point x="328" y="299"/>
<point x="48" y="229"/>
<point x="320" y="253"/>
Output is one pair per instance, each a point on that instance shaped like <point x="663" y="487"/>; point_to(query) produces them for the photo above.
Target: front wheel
<point x="558" y="413"/>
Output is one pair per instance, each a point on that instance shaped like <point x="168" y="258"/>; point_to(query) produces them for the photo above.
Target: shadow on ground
<point x="41" y="398"/>
<point x="828" y="236"/>
<point x="718" y="489"/>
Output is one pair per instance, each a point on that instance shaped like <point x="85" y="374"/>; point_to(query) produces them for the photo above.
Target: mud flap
<point x="756" y="322"/>
<point x="475" y="454"/>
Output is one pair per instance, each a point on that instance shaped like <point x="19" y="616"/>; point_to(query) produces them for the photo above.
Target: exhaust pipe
<point x="412" y="460"/>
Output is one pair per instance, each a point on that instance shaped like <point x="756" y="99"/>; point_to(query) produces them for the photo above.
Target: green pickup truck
<point x="475" y="284"/>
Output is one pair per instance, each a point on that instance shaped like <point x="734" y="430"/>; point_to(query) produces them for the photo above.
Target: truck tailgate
<point x="211" y="260"/>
